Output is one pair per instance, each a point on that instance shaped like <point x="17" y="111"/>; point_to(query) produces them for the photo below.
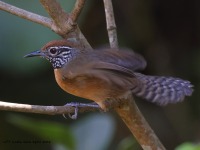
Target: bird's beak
<point x="35" y="53"/>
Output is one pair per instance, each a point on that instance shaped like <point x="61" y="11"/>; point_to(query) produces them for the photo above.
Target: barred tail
<point x="162" y="90"/>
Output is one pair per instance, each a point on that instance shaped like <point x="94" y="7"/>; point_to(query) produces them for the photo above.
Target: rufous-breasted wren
<point x="105" y="74"/>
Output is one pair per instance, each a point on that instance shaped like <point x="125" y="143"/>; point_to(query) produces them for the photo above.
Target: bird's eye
<point x="53" y="51"/>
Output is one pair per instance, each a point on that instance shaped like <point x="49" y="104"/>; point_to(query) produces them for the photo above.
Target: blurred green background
<point x="166" y="33"/>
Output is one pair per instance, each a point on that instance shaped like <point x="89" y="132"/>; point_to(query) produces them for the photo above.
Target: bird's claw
<point x="76" y="106"/>
<point x="70" y="115"/>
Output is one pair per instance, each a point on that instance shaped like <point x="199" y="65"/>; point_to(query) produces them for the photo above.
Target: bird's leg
<point x="104" y="106"/>
<point x="78" y="105"/>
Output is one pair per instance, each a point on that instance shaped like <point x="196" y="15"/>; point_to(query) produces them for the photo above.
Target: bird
<point x="103" y="74"/>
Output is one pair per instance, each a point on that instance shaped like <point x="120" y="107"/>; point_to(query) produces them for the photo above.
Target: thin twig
<point x="26" y="14"/>
<point x="77" y="10"/>
<point x="48" y="110"/>
<point x="111" y="26"/>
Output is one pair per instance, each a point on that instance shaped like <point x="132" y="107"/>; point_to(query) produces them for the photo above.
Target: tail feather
<point x="162" y="90"/>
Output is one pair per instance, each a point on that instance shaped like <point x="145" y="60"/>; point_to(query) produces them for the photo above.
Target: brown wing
<point x="125" y="58"/>
<point x="111" y="66"/>
<point x="90" y="67"/>
<point x="102" y="72"/>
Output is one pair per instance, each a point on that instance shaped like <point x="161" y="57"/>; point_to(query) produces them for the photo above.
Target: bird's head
<point x="58" y="52"/>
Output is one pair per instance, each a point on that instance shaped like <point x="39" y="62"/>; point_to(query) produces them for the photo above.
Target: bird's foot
<point x="78" y="105"/>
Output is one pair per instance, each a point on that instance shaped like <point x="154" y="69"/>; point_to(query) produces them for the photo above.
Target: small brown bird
<point x="105" y="74"/>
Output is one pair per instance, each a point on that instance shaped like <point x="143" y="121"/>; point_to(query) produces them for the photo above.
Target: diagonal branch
<point x="138" y="125"/>
<point x="26" y="14"/>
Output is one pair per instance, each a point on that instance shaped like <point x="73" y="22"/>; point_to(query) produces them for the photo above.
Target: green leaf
<point x="188" y="146"/>
<point x="55" y="132"/>
<point x="128" y="143"/>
